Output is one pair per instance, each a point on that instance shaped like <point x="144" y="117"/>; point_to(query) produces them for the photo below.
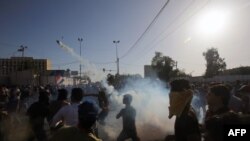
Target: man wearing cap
<point x="87" y="116"/>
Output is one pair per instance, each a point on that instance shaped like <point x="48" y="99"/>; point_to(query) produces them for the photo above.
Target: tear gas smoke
<point x="150" y="99"/>
<point x="89" y="69"/>
<point x="199" y="108"/>
<point x="16" y="128"/>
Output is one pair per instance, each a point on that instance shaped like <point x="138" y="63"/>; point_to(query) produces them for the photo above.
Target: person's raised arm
<point x="119" y="114"/>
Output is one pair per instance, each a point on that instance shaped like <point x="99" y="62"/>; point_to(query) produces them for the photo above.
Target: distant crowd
<point x="201" y="111"/>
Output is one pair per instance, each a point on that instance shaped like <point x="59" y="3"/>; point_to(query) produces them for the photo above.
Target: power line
<point x="143" y="53"/>
<point x="147" y="29"/>
<point x="179" y="25"/>
<point x="171" y="32"/>
<point x="173" y="21"/>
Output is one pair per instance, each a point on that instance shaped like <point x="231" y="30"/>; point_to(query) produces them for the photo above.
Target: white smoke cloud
<point x="89" y="69"/>
<point x="150" y="99"/>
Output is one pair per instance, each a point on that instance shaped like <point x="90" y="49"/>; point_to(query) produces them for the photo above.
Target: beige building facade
<point x="15" y="64"/>
<point x="22" y="70"/>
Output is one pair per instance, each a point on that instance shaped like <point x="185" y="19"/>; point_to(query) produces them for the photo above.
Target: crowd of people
<point x="75" y="119"/>
<point x="222" y="105"/>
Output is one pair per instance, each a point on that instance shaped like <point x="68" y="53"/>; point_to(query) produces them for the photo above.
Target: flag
<point x="59" y="76"/>
<point x="59" y="79"/>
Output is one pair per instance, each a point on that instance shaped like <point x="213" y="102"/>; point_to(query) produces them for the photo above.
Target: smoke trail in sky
<point x="89" y="69"/>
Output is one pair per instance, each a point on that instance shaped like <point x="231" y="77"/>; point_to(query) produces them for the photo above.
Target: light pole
<point x="21" y="49"/>
<point x="117" y="58"/>
<point x="80" y="40"/>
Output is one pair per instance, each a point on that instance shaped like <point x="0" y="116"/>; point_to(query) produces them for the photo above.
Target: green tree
<point x="178" y="73"/>
<point x="215" y="64"/>
<point x="163" y="65"/>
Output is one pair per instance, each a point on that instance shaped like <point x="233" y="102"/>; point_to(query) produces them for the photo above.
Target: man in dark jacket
<point x="37" y="113"/>
<point x="218" y="114"/>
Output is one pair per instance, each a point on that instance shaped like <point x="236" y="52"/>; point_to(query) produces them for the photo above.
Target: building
<point x="12" y="68"/>
<point x="29" y="71"/>
<point x="14" y="64"/>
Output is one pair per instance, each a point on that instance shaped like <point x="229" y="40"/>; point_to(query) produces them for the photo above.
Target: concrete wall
<point x="22" y="78"/>
<point x="224" y="78"/>
<point x="44" y="80"/>
<point x="31" y="78"/>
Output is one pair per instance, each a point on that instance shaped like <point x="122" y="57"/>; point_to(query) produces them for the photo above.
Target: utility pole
<point x="21" y="49"/>
<point x="176" y="64"/>
<point x="117" y="58"/>
<point x="80" y="40"/>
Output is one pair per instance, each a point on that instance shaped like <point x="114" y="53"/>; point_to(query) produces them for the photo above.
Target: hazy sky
<point x="182" y="31"/>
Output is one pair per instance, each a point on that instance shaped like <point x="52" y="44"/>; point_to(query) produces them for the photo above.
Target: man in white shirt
<point x="69" y="114"/>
